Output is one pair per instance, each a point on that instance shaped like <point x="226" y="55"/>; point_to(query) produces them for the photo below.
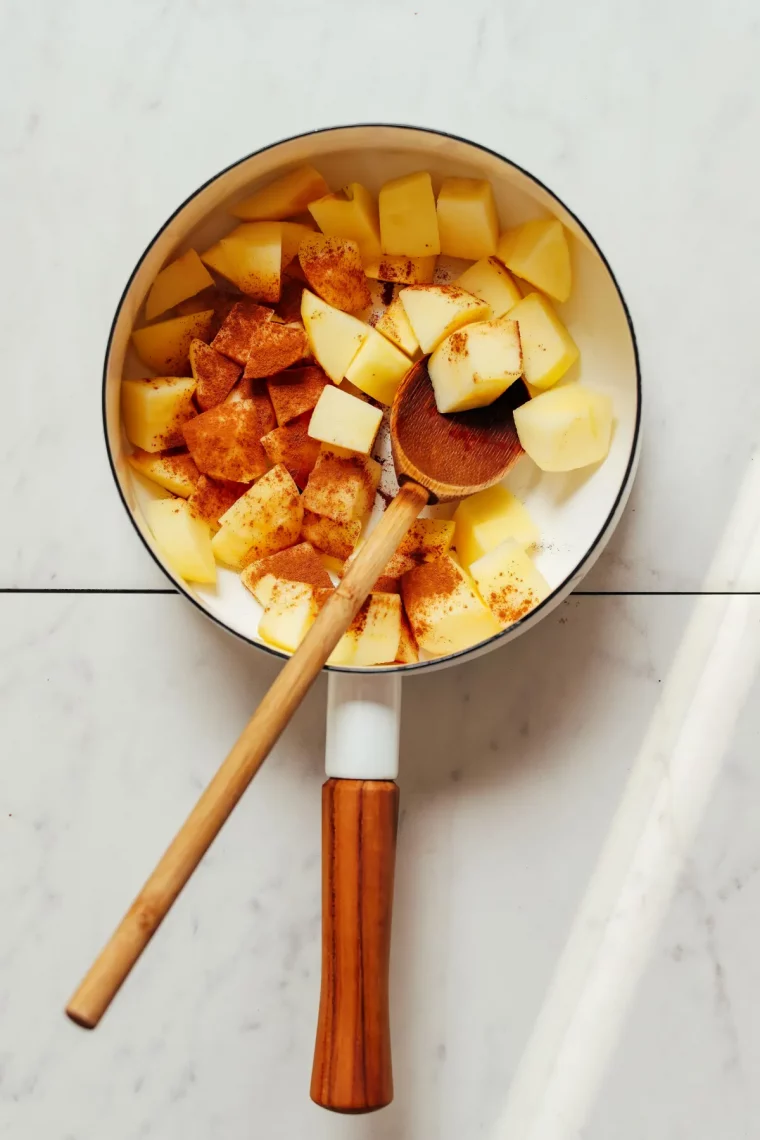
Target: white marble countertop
<point x="578" y="904"/>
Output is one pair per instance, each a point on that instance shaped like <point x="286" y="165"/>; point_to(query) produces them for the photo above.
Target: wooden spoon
<point x="437" y="458"/>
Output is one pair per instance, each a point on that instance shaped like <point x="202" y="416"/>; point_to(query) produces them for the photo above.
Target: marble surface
<point x="578" y="901"/>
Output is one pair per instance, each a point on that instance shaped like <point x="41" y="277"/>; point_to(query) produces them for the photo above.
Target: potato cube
<point x="301" y="563"/>
<point x="345" y="421"/>
<point x="408" y="651"/>
<point x="284" y="197"/>
<point x="154" y="411"/>
<point x="408" y="218"/>
<point x="538" y="252"/>
<point x="274" y="347"/>
<point x="467" y="219"/>
<point x="335" y="337"/>
<point x="292" y="446"/>
<point x="352" y="214"/>
<point x="445" y="611"/>
<point x="174" y="472"/>
<point x="165" y="346"/>
<point x="289" y="616"/>
<point x="333" y="268"/>
<point x="373" y="636"/>
<point x="293" y="234"/>
<point x="250" y="257"/>
<point x="211" y="498"/>
<point x="234" y="336"/>
<point x="215" y="375"/>
<point x="342" y="485"/>
<point x="509" y="583"/>
<point x="476" y="364"/>
<point x="488" y="518"/>
<point x="225" y="442"/>
<point x="401" y="270"/>
<point x="489" y="280"/>
<point x="436" y="311"/>
<point x="395" y="327"/>
<point x="335" y="539"/>
<point x="182" y="540"/>
<point x="566" y="428"/>
<point x="548" y="349"/>
<point x="428" y="539"/>
<point x="267" y="518"/>
<point x="296" y="391"/>
<point x="378" y="368"/>
<point x="182" y="279"/>
<point x="245" y="390"/>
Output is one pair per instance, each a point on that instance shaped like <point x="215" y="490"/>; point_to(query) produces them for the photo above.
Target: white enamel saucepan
<point x="576" y="514"/>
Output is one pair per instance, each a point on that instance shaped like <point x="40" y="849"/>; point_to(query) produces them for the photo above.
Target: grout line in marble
<point x="575" y="593"/>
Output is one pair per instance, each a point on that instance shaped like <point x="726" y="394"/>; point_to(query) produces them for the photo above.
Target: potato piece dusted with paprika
<point x="225" y="442"/>
<point x="342" y="485"/>
<point x="154" y="411"/>
<point x="274" y="347"/>
<point x="175" y="472"/>
<point x="214" y="374"/>
<point x="234" y="336"/>
<point x="336" y="539"/>
<point x="299" y="563"/>
<point x="334" y="270"/>
<point x="292" y="446"/>
<point x="296" y="391"/>
<point x="212" y="497"/>
<point x="264" y="520"/>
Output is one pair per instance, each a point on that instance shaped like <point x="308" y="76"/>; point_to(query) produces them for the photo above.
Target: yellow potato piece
<point x="374" y="635"/>
<point x="285" y="197"/>
<point x="547" y="347"/>
<point x="489" y="280"/>
<point x="509" y="583"/>
<point x="182" y="279"/>
<point x="335" y="337"/>
<point x="165" y="347"/>
<point x="251" y="257"/>
<point x="401" y="270"/>
<point x="468" y="223"/>
<point x="445" y="611"/>
<point x="266" y="519"/>
<point x="292" y="234"/>
<point x="182" y="539"/>
<point x="436" y="311"/>
<point x="476" y="364"/>
<point x="566" y="428"/>
<point x="394" y="325"/>
<point x="289" y="616"/>
<point x="352" y="214"/>
<point x="341" y="419"/>
<point x="538" y="252"/>
<point x="175" y="473"/>
<point x="408" y="218"/>
<point x="488" y="518"/>
<point x="378" y="368"/>
<point x="153" y="411"/>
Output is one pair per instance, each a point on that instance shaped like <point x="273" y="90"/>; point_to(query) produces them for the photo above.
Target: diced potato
<point x="334" y="270"/>
<point x="285" y="197"/>
<point x="548" y="349"/>
<point x="182" y="279"/>
<point x="292" y="446"/>
<point x="408" y="218"/>
<point x="267" y="518"/>
<point x="408" y="652"/>
<point x="215" y="375"/>
<point x="211" y="498"/>
<point x="508" y="582"/>
<point x="234" y="336"/>
<point x="445" y="611"/>
<point x="296" y="391"/>
<point x="474" y="365"/>
<point x="436" y="311"/>
<point x="154" y="411"/>
<point x="289" y="616"/>
<point x="251" y="257"/>
<point x="249" y="390"/>
<point x="165" y="346"/>
<point x="335" y="539"/>
<point x="301" y="563"/>
<point x="182" y="539"/>
<point x="489" y="280"/>
<point x="345" y="421"/>
<point x="293" y="234"/>
<point x="342" y="485"/>
<point x="566" y="428"/>
<point x="394" y="325"/>
<point x="352" y="214"/>
<point x="225" y="442"/>
<point x="401" y="270"/>
<point x="538" y="252"/>
<point x="428" y="539"/>
<point x="373" y="636"/>
<point x="488" y="518"/>
<point x="378" y="368"/>
<point x="175" y="473"/>
<point x="467" y="219"/>
<point x="274" y="347"/>
<point x="335" y="337"/>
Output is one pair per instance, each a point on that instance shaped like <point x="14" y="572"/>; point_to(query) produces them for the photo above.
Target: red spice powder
<point x="225" y="442"/>
<point x="299" y="563"/>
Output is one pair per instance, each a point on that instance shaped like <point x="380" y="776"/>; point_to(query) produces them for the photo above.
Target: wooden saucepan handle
<point x="352" y="1057"/>
<point x="201" y="827"/>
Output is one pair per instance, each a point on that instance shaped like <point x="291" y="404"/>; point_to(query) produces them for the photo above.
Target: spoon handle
<point x="201" y="827"/>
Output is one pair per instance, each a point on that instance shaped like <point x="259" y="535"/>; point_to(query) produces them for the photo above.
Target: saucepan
<point x="576" y="513"/>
